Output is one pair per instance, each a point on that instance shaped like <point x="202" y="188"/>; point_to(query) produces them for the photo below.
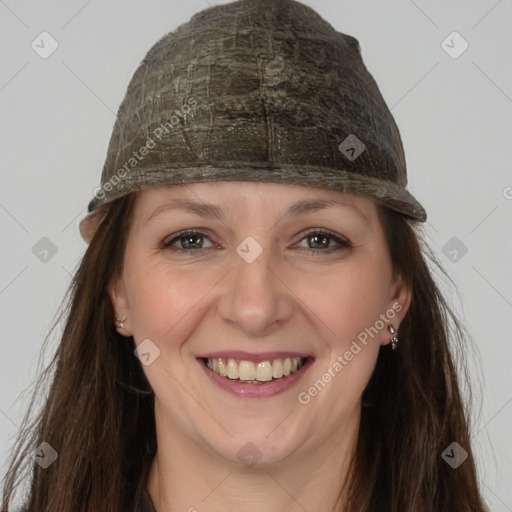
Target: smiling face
<point x="276" y="278"/>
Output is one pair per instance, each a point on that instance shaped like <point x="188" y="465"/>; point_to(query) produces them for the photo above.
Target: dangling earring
<point x="394" y="339"/>
<point x="120" y="322"/>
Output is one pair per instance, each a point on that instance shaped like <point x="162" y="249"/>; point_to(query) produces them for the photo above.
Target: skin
<point x="287" y="299"/>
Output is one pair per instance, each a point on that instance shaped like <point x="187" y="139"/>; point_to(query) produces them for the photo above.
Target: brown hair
<point x="99" y="416"/>
<point x="416" y="409"/>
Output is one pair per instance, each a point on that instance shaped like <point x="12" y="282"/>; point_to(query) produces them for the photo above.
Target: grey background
<point x="454" y="115"/>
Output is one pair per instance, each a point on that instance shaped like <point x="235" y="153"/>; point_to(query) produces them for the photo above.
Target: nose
<point x="255" y="297"/>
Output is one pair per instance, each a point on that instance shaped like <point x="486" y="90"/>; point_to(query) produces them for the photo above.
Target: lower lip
<point x="266" y="390"/>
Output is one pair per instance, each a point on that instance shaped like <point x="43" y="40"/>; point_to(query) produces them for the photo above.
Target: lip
<point x="240" y="355"/>
<point x="264" y="390"/>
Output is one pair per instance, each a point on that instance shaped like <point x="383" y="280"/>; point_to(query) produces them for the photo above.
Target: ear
<point x="89" y="225"/>
<point x="399" y="303"/>
<point x="117" y="293"/>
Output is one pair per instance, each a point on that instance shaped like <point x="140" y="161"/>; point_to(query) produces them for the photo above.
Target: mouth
<point x="255" y="376"/>
<point x="250" y="372"/>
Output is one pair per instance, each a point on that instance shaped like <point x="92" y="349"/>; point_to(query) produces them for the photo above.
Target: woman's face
<point x="273" y="272"/>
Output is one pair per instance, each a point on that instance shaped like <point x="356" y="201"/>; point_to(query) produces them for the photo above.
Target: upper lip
<point x="241" y="355"/>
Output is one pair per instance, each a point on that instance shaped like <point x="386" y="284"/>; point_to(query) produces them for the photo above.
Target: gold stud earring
<point x="394" y="339"/>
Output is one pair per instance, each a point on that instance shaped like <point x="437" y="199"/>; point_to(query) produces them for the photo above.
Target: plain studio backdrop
<point x="442" y="67"/>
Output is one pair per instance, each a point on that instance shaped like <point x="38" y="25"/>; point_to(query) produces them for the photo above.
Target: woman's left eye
<point x="317" y="240"/>
<point x="321" y="240"/>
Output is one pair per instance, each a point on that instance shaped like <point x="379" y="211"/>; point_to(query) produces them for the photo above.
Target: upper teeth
<point x="247" y="370"/>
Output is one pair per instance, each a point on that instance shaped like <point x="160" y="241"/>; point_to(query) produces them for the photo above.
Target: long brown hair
<point x="99" y="414"/>
<point x="415" y="405"/>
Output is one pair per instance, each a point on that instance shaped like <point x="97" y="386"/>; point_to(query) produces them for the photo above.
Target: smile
<point x="247" y="375"/>
<point x="255" y="373"/>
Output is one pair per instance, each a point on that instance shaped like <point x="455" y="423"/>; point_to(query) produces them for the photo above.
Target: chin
<point x="254" y="449"/>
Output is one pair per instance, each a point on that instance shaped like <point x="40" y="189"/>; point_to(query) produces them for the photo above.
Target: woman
<point x="254" y="322"/>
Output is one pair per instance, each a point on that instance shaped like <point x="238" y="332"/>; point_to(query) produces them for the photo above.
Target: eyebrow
<point x="211" y="211"/>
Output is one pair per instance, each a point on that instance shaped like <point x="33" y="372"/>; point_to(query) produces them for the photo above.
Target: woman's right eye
<point x="189" y="239"/>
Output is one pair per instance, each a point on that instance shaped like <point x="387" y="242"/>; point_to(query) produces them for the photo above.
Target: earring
<point x="394" y="339"/>
<point x="120" y="322"/>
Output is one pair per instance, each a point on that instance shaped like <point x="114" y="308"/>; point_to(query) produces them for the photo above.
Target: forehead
<point x="233" y="195"/>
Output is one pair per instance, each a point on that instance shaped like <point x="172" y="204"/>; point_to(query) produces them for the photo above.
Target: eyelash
<point x="342" y="243"/>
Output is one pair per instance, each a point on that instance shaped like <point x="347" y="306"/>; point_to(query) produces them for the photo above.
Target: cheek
<point x="162" y="298"/>
<point x="358" y="300"/>
<point x="348" y="301"/>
